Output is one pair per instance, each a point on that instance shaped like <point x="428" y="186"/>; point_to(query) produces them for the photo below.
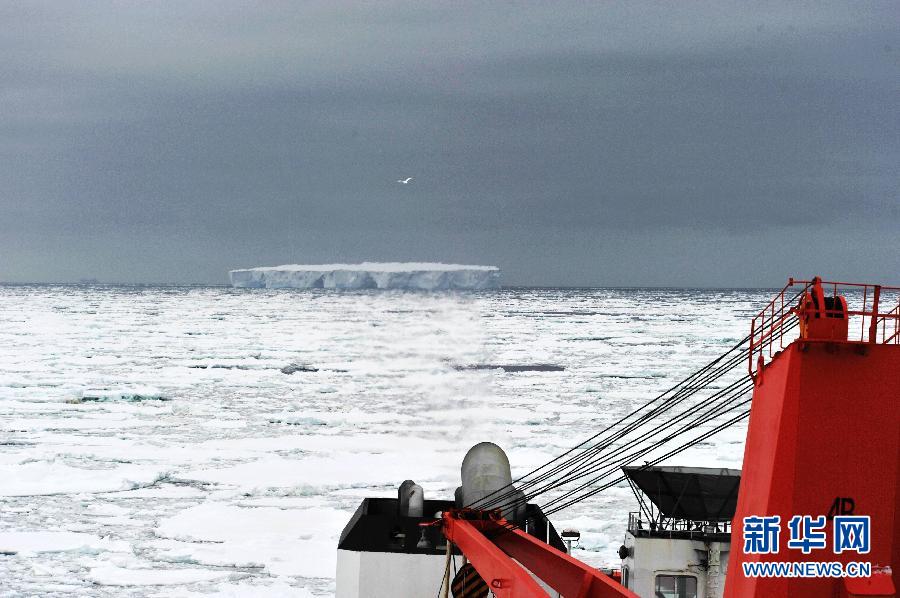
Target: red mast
<point x="824" y="435"/>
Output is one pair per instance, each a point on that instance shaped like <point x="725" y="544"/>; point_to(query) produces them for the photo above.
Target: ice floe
<point x="283" y="541"/>
<point x="41" y="542"/>
<point x="43" y="477"/>
<point x="121" y="576"/>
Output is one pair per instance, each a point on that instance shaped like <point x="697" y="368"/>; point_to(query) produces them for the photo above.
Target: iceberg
<point x="369" y="275"/>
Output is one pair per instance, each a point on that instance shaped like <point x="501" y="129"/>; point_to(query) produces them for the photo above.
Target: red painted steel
<point x="505" y="578"/>
<point x="824" y="426"/>
<point x="504" y="556"/>
<point x="877" y="586"/>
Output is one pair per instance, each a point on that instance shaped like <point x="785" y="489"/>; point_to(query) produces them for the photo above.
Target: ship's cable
<point x="681" y="390"/>
<point x="575" y="467"/>
<point x="720" y="405"/>
<point x="741" y="416"/>
<point x="600" y="450"/>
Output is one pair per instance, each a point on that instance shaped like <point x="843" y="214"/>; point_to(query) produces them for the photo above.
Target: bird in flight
<point x="405" y="181"/>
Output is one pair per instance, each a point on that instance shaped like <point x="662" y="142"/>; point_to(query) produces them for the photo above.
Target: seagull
<point x="405" y="181"/>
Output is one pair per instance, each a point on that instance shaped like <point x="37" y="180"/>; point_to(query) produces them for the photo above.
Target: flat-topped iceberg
<point x="368" y="275"/>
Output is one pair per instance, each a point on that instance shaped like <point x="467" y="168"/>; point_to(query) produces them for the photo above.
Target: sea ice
<point x="43" y="478"/>
<point x="241" y="479"/>
<point x="283" y="541"/>
<point x="40" y="542"/>
<point x="110" y="575"/>
<point x="242" y="590"/>
<point x="369" y="275"/>
<point x="311" y="472"/>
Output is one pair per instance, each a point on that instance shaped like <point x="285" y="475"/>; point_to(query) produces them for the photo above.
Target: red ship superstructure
<point x="824" y="433"/>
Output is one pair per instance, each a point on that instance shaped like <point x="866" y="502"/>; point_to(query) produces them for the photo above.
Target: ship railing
<point x="674" y="526"/>
<point x="890" y="333"/>
<point x="873" y="313"/>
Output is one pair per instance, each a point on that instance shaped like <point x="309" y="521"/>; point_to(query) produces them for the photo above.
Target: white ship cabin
<point x="677" y="544"/>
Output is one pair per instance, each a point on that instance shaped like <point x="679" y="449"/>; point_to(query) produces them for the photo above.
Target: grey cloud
<point x="170" y="141"/>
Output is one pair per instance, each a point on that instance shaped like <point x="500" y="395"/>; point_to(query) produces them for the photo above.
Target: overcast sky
<point x="583" y="143"/>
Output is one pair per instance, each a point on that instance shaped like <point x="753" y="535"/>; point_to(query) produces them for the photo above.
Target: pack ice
<point x="369" y="275"/>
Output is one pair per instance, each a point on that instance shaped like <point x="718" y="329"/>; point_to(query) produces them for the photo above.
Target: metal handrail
<point x="768" y="327"/>
<point x="673" y="527"/>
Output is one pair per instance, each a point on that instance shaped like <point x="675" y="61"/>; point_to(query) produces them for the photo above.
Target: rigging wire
<point x="611" y="466"/>
<point x="547" y="510"/>
<point x="739" y="389"/>
<point x="680" y="449"/>
<point x="589" y="461"/>
<point x="586" y="456"/>
<point x="724" y="404"/>
<point x="571" y="464"/>
<point x="492" y="498"/>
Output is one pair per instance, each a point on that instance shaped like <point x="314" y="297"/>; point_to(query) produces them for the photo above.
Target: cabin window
<point x="676" y="586"/>
<point x="625" y="576"/>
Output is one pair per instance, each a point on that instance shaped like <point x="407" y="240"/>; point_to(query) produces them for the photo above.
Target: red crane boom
<point x="504" y="556"/>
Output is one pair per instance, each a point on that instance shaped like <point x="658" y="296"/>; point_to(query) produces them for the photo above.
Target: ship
<point x="813" y="513"/>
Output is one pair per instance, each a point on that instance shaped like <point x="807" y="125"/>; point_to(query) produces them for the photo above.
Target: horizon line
<point x="500" y="288"/>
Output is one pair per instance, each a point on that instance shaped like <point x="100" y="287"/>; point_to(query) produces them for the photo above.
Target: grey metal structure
<point x="677" y="545"/>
